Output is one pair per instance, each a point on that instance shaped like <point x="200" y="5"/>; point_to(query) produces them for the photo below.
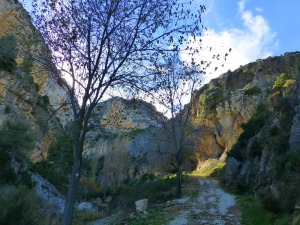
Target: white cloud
<point x="254" y="40"/>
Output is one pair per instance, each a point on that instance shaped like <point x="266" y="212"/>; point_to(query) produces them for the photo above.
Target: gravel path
<point x="213" y="206"/>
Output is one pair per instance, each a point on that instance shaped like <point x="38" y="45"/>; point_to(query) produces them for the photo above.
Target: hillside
<point x="252" y="116"/>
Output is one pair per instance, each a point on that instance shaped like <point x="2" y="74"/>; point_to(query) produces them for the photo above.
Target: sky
<point x="253" y="29"/>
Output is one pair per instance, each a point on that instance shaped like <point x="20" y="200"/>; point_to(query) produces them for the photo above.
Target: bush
<point x="16" y="137"/>
<point x="289" y="83"/>
<point x="15" y="140"/>
<point x="43" y="101"/>
<point x="286" y="104"/>
<point x="283" y="81"/>
<point x="88" y="188"/>
<point x="8" y="53"/>
<point x="211" y="97"/>
<point x="252" y="90"/>
<point x="251" y="128"/>
<point x="294" y="161"/>
<point x="18" y="205"/>
<point x="256" y="148"/>
<point x="27" y="65"/>
<point x="59" y="162"/>
<point x="273" y="131"/>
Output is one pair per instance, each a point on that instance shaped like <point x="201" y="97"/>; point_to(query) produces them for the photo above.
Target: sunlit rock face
<point x="30" y="94"/>
<point x="252" y="116"/>
<point x="220" y="125"/>
<point x="14" y="20"/>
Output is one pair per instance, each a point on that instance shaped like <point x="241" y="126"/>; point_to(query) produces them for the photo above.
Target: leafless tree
<point x="103" y="45"/>
<point x="177" y="82"/>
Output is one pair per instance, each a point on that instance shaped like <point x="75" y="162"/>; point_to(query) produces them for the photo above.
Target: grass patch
<point x="209" y="168"/>
<point x="253" y="211"/>
<point x="157" y="215"/>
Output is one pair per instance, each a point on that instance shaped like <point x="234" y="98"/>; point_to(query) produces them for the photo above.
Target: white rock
<point x="141" y="205"/>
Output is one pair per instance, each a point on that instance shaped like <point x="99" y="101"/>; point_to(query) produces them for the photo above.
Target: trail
<point x="212" y="206"/>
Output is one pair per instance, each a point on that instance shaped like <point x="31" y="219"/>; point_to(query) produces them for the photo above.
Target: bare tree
<point x="177" y="82"/>
<point x="103" y="45"/>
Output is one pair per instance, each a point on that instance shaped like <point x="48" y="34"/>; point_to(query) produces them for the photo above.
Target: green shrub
<point x="88" y="188"/>
<point x="7" y="109"/>
<point x="273" y="131"/>
<point x="43" y="101"/>
<point x="18" y="205"/>
<point x="294" y="161"/>
<point x="83" y="217"/>
<point x="7" y="174"/>
<point x="211" y="97"/>
<point x="253" y="211"/>
<point x="59" y="162"/>
<point x="251" y="128"/>
<point x="256" y="148"/>
<point x="283" y="81"/>
<point x="289" y="83"/>
<point x="158" y="190"/>
<point x="27" y="65"/>
<point x="285" y="104"/>
<point x="8" y="53"/>
<point x="15" y="140"/>
<point x="252" y="90"/>
<point x="16" y="136"/>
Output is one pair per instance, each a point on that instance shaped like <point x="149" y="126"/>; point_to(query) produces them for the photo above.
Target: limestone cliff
<point x="28" y="92"/>
<point x="227" y="102"/>
<point x="14" y="20"/>
<point x="252" y="116"/>
<point x="122" y="143"/>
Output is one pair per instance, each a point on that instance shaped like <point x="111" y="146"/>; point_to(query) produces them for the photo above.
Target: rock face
<point x="252" y="115"/>
<point x="122" y="143"/>
<point x="16" y="21"/>
<point x="227" y="102"/>
<point x="19" y="100"/>
<point x="28" y="92"/>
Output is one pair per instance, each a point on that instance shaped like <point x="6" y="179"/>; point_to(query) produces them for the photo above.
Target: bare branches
<point x="104" y="45"/>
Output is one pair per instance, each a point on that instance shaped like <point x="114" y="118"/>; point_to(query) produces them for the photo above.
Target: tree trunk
<point x="72" y="190"/>
<point x="179" y="180"/>
<point x="179" y="159"/>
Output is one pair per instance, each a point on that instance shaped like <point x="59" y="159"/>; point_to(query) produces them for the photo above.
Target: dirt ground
<point x="212" y="206"/>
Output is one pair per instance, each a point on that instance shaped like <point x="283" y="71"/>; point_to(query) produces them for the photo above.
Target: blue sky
<point x="252" y="28"/>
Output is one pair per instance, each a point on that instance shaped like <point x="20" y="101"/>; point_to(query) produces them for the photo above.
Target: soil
<point x="212" y="206"/>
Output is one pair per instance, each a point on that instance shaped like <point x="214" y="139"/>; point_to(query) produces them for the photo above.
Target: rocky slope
<point x="252" y="114"/>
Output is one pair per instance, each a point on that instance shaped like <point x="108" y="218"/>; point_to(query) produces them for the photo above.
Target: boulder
<point x="87" y="206"/>
<point x="141" y="205"/>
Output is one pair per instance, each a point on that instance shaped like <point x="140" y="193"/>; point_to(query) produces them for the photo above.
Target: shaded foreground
<point x="204" y="203"/>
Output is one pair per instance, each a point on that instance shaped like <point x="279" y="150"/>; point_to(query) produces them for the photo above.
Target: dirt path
<point x="212" y="206"/>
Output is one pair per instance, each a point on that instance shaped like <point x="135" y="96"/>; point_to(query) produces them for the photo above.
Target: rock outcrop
<point x="252" y="116"/>
<point x="28" y="92"/>
<point x="123" y="143"/>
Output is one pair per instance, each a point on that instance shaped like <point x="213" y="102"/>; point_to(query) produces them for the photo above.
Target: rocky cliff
<point x="252" y="115"/>
<point x="27" y="92"/>
<point x="123" y="142"/>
